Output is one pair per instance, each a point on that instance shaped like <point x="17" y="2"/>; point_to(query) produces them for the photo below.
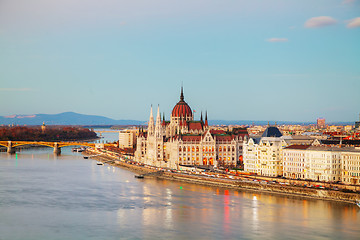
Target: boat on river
<point x="99" y="163"/>
<point x="78" y="149"/>
<point x="357" y="203"/>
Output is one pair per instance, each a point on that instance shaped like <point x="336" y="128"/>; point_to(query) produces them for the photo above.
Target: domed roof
<point x="272" y="132"/>
<point x="181" y="109"/>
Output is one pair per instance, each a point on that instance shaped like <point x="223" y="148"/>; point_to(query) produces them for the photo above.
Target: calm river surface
<point x="43" y="196"/>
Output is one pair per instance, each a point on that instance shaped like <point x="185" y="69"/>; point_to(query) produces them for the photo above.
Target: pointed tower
<point x="163" y="121"/>
<point x="151" y="123"/>
<point x="206" y="120"/>
<point x="182" y="94"/>
<point x="201" y="118"/>
<point x="158" y="127"/>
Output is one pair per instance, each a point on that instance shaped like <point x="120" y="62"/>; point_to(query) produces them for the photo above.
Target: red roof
<point x="224" y="137"/>
<point x="191" y="138"/>
<point x="217" y="131"/>
<point x="195" y="126"/>
<point x="301" y="147"/>
<point x="181" y="109"/>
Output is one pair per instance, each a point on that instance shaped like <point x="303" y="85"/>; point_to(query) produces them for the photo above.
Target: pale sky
<point x="239" y="60"/>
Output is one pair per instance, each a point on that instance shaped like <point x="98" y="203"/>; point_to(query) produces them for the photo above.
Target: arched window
<point x="180" y="149"/>
<point x="220" y="149"/>
<point x="184" y="148"/>
<point x="197" y="149"/>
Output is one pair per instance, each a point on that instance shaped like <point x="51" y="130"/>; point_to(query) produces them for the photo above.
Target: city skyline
<point x="246" y="60"/>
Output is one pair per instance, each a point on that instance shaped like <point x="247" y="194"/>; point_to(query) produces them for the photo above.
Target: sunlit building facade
<point x="350" y="159"/>
<point x="185" y="141"/>
<point x="264" y="155"/>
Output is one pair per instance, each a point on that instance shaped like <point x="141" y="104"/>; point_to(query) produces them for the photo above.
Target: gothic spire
<point x="206" y="120"/>
<point x="182" y="94"/>
<point x="158" y="131"/>
<point x="151" y="123"/>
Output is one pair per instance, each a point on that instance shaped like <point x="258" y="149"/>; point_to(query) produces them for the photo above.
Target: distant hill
<point x="66" y="118"/>
<point x="71" y="118"/>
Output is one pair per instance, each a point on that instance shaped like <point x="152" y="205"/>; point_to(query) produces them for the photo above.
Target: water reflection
<point x="75" y="198"/>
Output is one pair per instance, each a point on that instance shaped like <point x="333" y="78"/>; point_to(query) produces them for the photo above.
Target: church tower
<point x="43" y="128"/>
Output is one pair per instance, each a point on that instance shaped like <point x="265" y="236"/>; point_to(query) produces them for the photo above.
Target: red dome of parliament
<point x="181" y="109"/>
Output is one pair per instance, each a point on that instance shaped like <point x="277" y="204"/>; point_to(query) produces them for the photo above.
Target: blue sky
<point x="239" y="60"/>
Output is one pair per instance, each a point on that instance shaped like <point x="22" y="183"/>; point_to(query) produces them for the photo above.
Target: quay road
<point x="233" y="177"/>
<point x="11" y="145"/>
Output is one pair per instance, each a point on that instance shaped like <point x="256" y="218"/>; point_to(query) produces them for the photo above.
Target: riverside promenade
<point x="293" y="188"/>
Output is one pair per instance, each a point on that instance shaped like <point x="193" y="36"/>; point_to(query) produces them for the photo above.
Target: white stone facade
<point x="350" y="173"/>
<point x="183" y="141"/>
<point x="127" y="138"/>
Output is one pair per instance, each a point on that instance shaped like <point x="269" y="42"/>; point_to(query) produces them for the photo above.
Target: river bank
<point x="247" y="184"/>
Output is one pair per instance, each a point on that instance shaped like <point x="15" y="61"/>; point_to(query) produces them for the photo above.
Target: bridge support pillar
<point x="57" y="149"/>
<point x="10" y="148"/>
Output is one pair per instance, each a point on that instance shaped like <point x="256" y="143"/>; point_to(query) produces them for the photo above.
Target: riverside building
<point x="127" y="138"/>
<point x="317" y="163"/>
<point x="188" y="142"/>
<point x="322" y="163"/>
<point x="263" y="155"/>
<point x="350" y="160"/>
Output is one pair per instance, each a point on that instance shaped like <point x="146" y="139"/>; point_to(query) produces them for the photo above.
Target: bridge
<point x="107" y="131"/>
<point x="56" y="145"/>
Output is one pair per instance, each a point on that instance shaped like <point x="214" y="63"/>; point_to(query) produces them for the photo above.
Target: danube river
<point x="43" y="196"/>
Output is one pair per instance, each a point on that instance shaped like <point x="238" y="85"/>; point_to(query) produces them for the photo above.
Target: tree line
<point x="53" y="133"/>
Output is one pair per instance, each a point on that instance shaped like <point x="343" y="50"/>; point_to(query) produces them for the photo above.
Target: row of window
<point x="206" y="149"/>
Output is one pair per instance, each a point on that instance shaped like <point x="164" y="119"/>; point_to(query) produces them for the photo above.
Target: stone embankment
<point x="249" y="185"/>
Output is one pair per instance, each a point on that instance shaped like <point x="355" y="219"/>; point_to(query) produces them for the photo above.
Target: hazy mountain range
<point x="71" y="118"/>
<point x="66" y="118"/>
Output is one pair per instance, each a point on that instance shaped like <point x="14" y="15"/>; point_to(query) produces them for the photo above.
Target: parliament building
<point x="183" y="141"/>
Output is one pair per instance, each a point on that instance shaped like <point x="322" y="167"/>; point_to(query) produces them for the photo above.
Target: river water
<point x="43" y="196"/>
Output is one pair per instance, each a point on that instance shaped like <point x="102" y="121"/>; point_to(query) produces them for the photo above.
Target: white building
<point x="350" y="160"/>
<point x="127" y="138"/>
<point x="324" y="163"/>
<point x="263" y="155"/>
<point x="295" y="162"/>
<point x="184" y="141"/>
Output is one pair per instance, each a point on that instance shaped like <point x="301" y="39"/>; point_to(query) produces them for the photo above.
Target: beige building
<point x="127" y="138"/>
<point x="295" y="162"/>
<point x="350" y="159"/>
<point x="322" y="163"/>
<point x="183" y="141"/>
<point x="264" y="155"/>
